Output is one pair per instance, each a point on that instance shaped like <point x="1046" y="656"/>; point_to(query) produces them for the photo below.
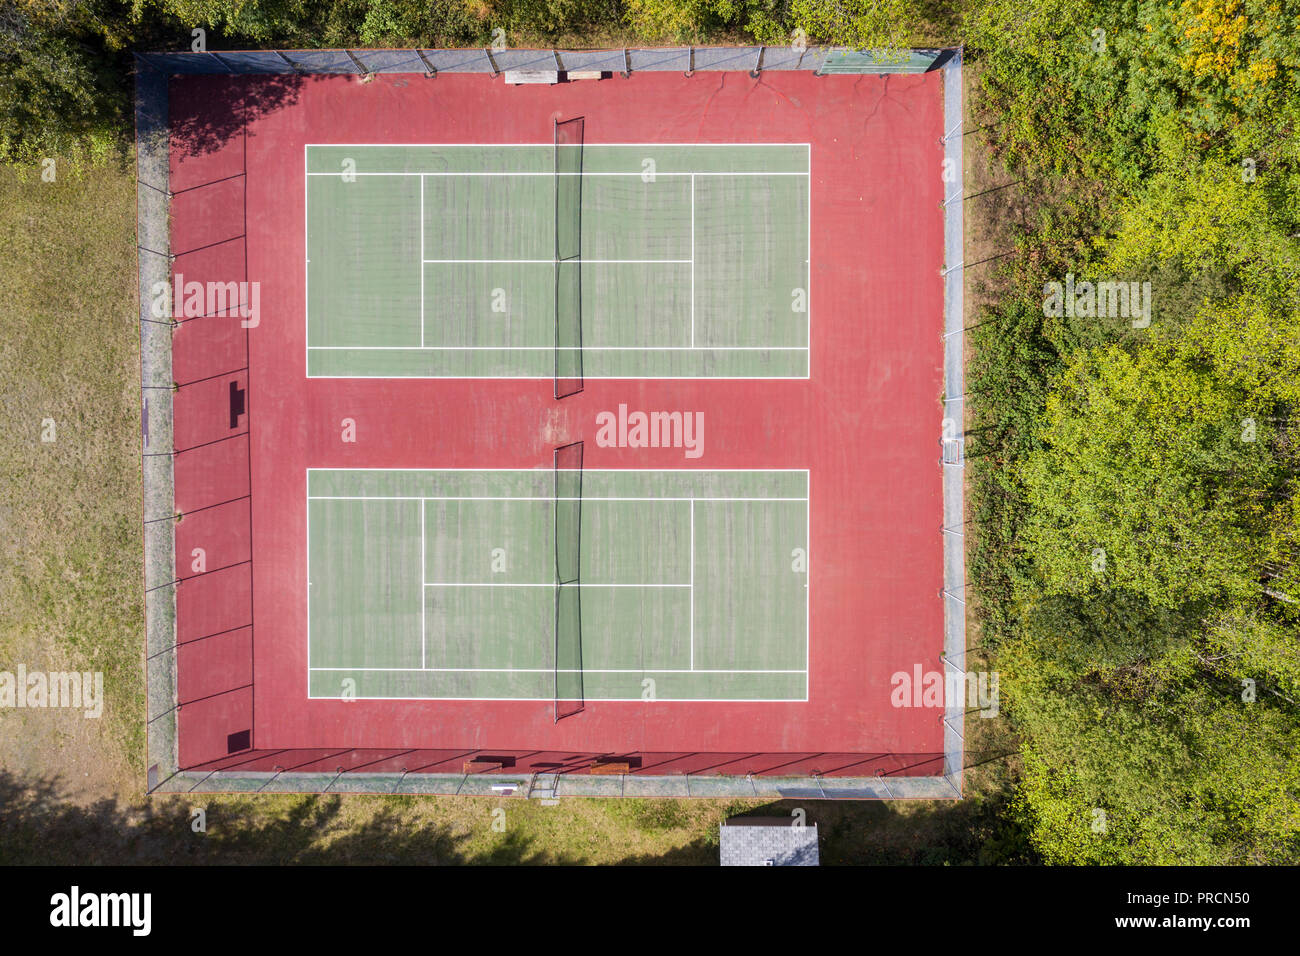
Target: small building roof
<point x="768" y="841"/>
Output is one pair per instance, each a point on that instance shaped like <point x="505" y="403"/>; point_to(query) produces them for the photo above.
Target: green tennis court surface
<point x="441" y="261"/>
<point x="443" y="584"/>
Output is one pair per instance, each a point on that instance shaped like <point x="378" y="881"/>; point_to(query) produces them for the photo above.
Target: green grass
<point x="70" y="565"/>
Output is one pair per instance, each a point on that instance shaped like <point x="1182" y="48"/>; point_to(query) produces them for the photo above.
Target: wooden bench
<point x="551" y="77"/>
<point x="610" y="767"/>
<point x="532" y="76"/>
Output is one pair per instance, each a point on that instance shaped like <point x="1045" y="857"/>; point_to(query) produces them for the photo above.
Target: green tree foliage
<point x="1081" y="86"/>
<point x="61" y="86"/>
<point x="1158" y="472"/>
<point x="1127" y="684"/>
<point x="1212" y="216"/>
<point x="322" y="23"/>
<point x="1229" y="60"/>
<point x="681" y="21"/>
<point x="1255" y="643"/>
<point x="1173" y="455"/>
<point x="1185" y="776"/>
<point x="860" y="24"/>
<point x="1141" y="742"/>
<point x="1056" y="95"/>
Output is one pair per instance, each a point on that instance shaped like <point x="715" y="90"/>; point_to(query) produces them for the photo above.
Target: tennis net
<point x="568" y="257"/>
<point x="567" y="465"/>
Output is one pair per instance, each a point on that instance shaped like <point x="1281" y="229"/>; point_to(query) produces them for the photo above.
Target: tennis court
<point x="378" y="560"/>
<point x="558" y="584"/>
<point x="564" y="260"/>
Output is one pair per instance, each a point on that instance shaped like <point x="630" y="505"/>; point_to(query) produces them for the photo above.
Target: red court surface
<point x="864" y="423"/>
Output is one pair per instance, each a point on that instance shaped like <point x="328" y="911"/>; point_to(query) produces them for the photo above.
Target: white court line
<point x="693" y="584"/>
<point x="808" y="267"/>
<point x="550" y="262"/>
<point x="506" y="584"/>
<point x="610" y="700"/>
<point x="540" y="498"/>
<point x="552" y="348"/>
<point x="601" y="700"/>
<point x="487" y="148"/>
<point x="551" y="175"/>
<point x="588" y="471"/>
<point x="422" y="601"/>
<point x="548" y="670"/>
<point x="306" y="368"/>
<point x="588" y="378"/>
<point x="546" y="145"/>
<point x="422" y="259"/>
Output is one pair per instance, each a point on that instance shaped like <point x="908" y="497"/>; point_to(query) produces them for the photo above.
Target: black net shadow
<point x="569" y="693"/>
<point x="568" y="257"/>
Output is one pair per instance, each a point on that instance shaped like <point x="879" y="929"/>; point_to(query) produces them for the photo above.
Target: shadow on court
<point x="209" y="120"/>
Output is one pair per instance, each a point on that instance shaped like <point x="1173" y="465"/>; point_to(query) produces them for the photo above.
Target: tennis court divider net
<point x="567" y="469"/>
<point x="568" y="257"/>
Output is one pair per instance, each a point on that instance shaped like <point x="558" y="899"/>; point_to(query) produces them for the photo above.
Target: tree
<point x="61" y="77"/>
<point x="860" y="24"/>
<point x="1212" y="214"/>
<point x="1161" y="469"/>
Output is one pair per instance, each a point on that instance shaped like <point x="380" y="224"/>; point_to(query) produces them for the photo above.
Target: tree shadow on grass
<point x="973" y="831"/>
<point x="38" y="826"/>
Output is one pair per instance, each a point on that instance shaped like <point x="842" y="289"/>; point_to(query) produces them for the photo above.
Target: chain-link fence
<point x="754" y="59"/>
<point x="778" y="776"/>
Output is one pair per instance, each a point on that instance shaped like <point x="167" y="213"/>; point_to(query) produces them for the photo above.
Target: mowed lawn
<point x="71" y="788"/>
